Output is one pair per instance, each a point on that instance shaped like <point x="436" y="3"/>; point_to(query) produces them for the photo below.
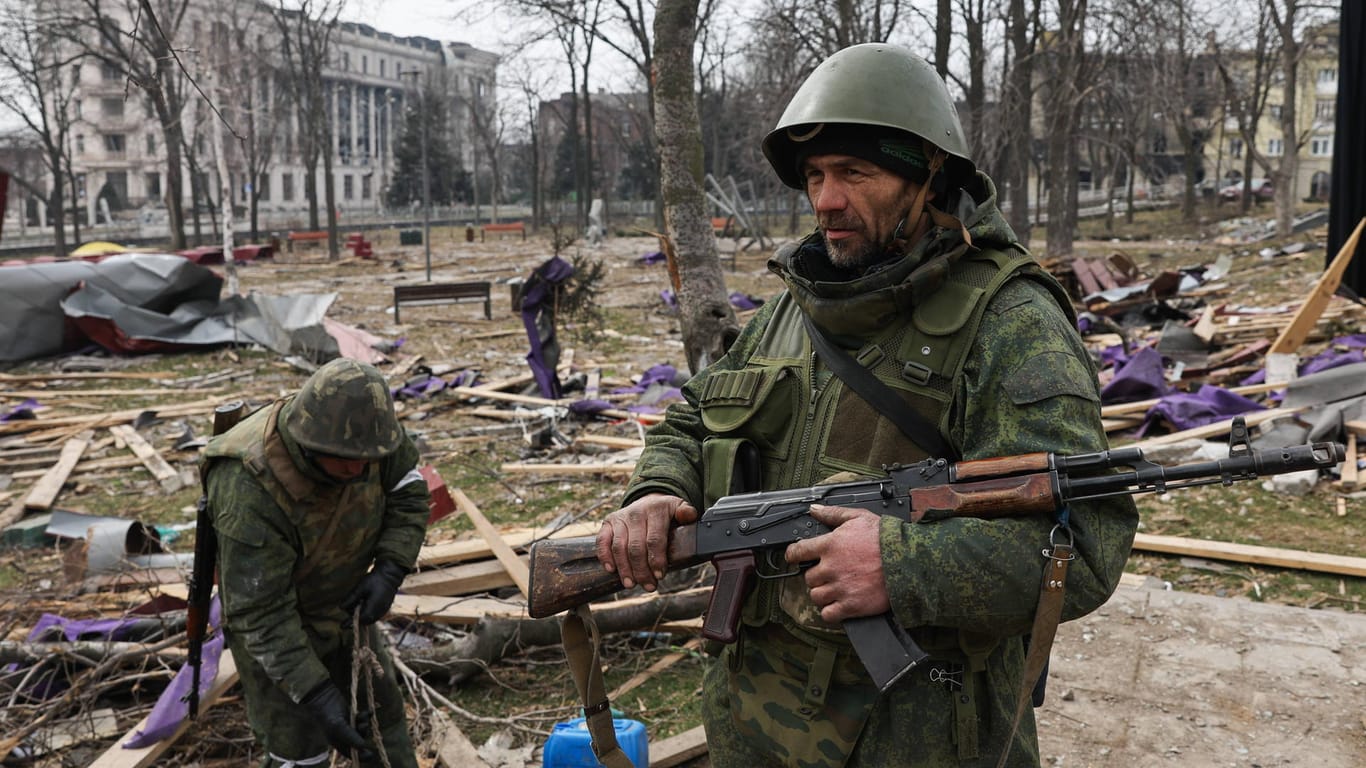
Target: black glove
<point x="328" y="705"/>
<point x="375" y="593"/>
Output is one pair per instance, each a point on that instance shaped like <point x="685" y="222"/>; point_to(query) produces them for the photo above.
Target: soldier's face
<point x="858" y="205"/>
<point x="342" y="469"/>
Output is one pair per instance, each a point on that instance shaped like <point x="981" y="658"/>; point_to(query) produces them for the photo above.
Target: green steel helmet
<point x="877" y="85"/>
<point x="345" y="410"/>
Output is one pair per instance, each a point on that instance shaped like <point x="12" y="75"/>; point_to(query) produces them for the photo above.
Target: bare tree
<point x="1018" y="110"/>
<point x="33" y="65"/>
<point x="138" y="39"/>
<point x="1062" y="105"/>
<point x="708" y="322"/>
<point x="305" y="47"/>
<point x="1289" y="19"/>
<point x="1246" y="75"/>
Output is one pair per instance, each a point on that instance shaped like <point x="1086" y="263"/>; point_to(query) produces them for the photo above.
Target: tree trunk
<point x="708" y="322"/>
<point x="1019" y="102"/>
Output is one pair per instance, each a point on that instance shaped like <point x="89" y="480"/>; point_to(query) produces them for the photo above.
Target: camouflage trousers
<point x="774" y="700"/>
<point x="288" y="732"/>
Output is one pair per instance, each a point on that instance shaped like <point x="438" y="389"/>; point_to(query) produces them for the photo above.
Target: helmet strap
<point x="921" y="207"/>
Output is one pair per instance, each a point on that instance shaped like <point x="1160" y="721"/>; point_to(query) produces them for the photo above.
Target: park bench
<point x="442" y="293"/>
<point x="513" y="226"/>
<point x="305" y="237"/>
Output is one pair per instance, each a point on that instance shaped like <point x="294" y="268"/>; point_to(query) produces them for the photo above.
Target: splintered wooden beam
<point x="467" y="579"/>
<point x="44" y="492"/>
<point x="568" y="469"/>
<point x="515" y="566"/>
<point x="476" y="549"/>
<point x="1308" y="315"/>
<point x="1248" y="553"/>
<point x="679" y="749"/>
<point x="164" y="473"/>
<point x="118" y="757"/>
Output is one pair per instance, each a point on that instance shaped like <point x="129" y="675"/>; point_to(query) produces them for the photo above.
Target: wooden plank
<point x="45" y="491"/>
<point x="453" y="748"/>
<point x="1216" y="428"/>
<point x="678" y="749"/>
<point x="611" y="441"/>
<point x="470" y="578"/>
<point x="475" y="549"/>
<point x="1349" y="464"/>
<point x="668" y="660"/>
<point x="165" y="474"/>
<point x="1204" y="327"/>
<point x="598" y="468"/>
<point x="1248" y="553"/>
<point x="109" y="418"/>
<point x="516" y="567"/>
<point x="1139" y="406"/>
<point x="1357" y="428"/>
<point x="118" y="757"/>
<point x="1308" y="315"/>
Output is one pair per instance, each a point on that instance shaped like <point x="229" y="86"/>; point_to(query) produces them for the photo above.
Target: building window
<point x="365" y="187"/>
<point x="264" y="181"/>
<point x="1235" y="148"/>
<point x="115" y="144"/>
<point x="80" y="143"/>
<point x="1321" y="147"/>
<point x="1274" y="147"/>
<point x="346" y="61"/>
<point x="153" y="181"/>
<point x="348" y="187"/>
<point x="1274" y="110"/>
<point x="76" y="107"/>
<point x="109" y="72"/>
<point x="151" y="144"/>
<point x="1325" y="109"/>
<point x="381" y="67"/>
<point x="287" y="186"/>
<point x="111" y="108"/>
<point x="1328" y="75"/>
<point x="364" y="65"/>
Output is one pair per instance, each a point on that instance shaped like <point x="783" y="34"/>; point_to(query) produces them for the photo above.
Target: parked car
<point x="1262" y="190"/>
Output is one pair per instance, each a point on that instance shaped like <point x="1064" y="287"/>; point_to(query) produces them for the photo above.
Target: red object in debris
<point x="441" y="504"/>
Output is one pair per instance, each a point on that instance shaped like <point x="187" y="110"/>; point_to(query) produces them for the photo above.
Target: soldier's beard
<point x="850" y="252"/>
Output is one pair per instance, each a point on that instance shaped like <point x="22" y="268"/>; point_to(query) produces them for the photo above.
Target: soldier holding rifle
<point x="914" y="274"/>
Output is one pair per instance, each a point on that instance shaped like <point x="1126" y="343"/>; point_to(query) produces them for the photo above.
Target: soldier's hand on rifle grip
<point x="633" y="541"/>
<point x="846" y="580"/>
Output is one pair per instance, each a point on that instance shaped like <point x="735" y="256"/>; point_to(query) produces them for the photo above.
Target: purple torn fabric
<point x="73" y="630"/>
<point x="1187" y="410"/>
<point x="1343" y="350"/>
<point x="172" y="708"/>
<point x="589" y="407"/>
<point x="744" y="301"/>
<point x="667" y="296"/>
<point x="1114" y="357"/>
<point x="22" y="411"/>
<point x="1141" y="378"/>
<point x="655" y="257"/>
<point x="419" y="387"/>
<point x="538" y="315"/>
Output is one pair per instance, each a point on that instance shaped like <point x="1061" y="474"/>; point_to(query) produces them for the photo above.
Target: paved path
<point x="1159" y="678"/>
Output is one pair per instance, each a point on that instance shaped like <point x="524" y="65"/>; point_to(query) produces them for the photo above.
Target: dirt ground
<point x="1156" y="677"/>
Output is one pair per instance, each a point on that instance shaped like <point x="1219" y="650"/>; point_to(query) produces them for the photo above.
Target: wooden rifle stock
<point x="566" y="573"/>
<point x="225" y="417"/>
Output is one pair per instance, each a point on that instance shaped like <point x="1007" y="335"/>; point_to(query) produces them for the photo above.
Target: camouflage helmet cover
<point x="876" y="85"/>
<point x="345" y="410"/>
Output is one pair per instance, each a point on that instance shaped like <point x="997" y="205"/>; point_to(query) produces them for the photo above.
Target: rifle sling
<point x="1047" y="616"/>
<point x="877" y="394"/>
<point x="579" y="634"/>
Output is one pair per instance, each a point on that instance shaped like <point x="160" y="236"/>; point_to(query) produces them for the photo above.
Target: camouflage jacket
<point x="1024" y="383"/>
<point x="293" y="543"/>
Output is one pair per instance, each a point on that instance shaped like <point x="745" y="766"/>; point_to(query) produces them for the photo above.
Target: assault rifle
<point x="566" y="573"/>
<point x="225" y="417"/>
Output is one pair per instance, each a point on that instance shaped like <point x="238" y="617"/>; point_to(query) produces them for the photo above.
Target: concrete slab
<point x="1163" y="678"/>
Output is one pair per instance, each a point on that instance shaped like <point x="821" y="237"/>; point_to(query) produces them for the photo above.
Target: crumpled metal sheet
<point x="139" y="302"/>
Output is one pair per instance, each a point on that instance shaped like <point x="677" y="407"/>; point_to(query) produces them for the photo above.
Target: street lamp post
<point x="426" y="188"/>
